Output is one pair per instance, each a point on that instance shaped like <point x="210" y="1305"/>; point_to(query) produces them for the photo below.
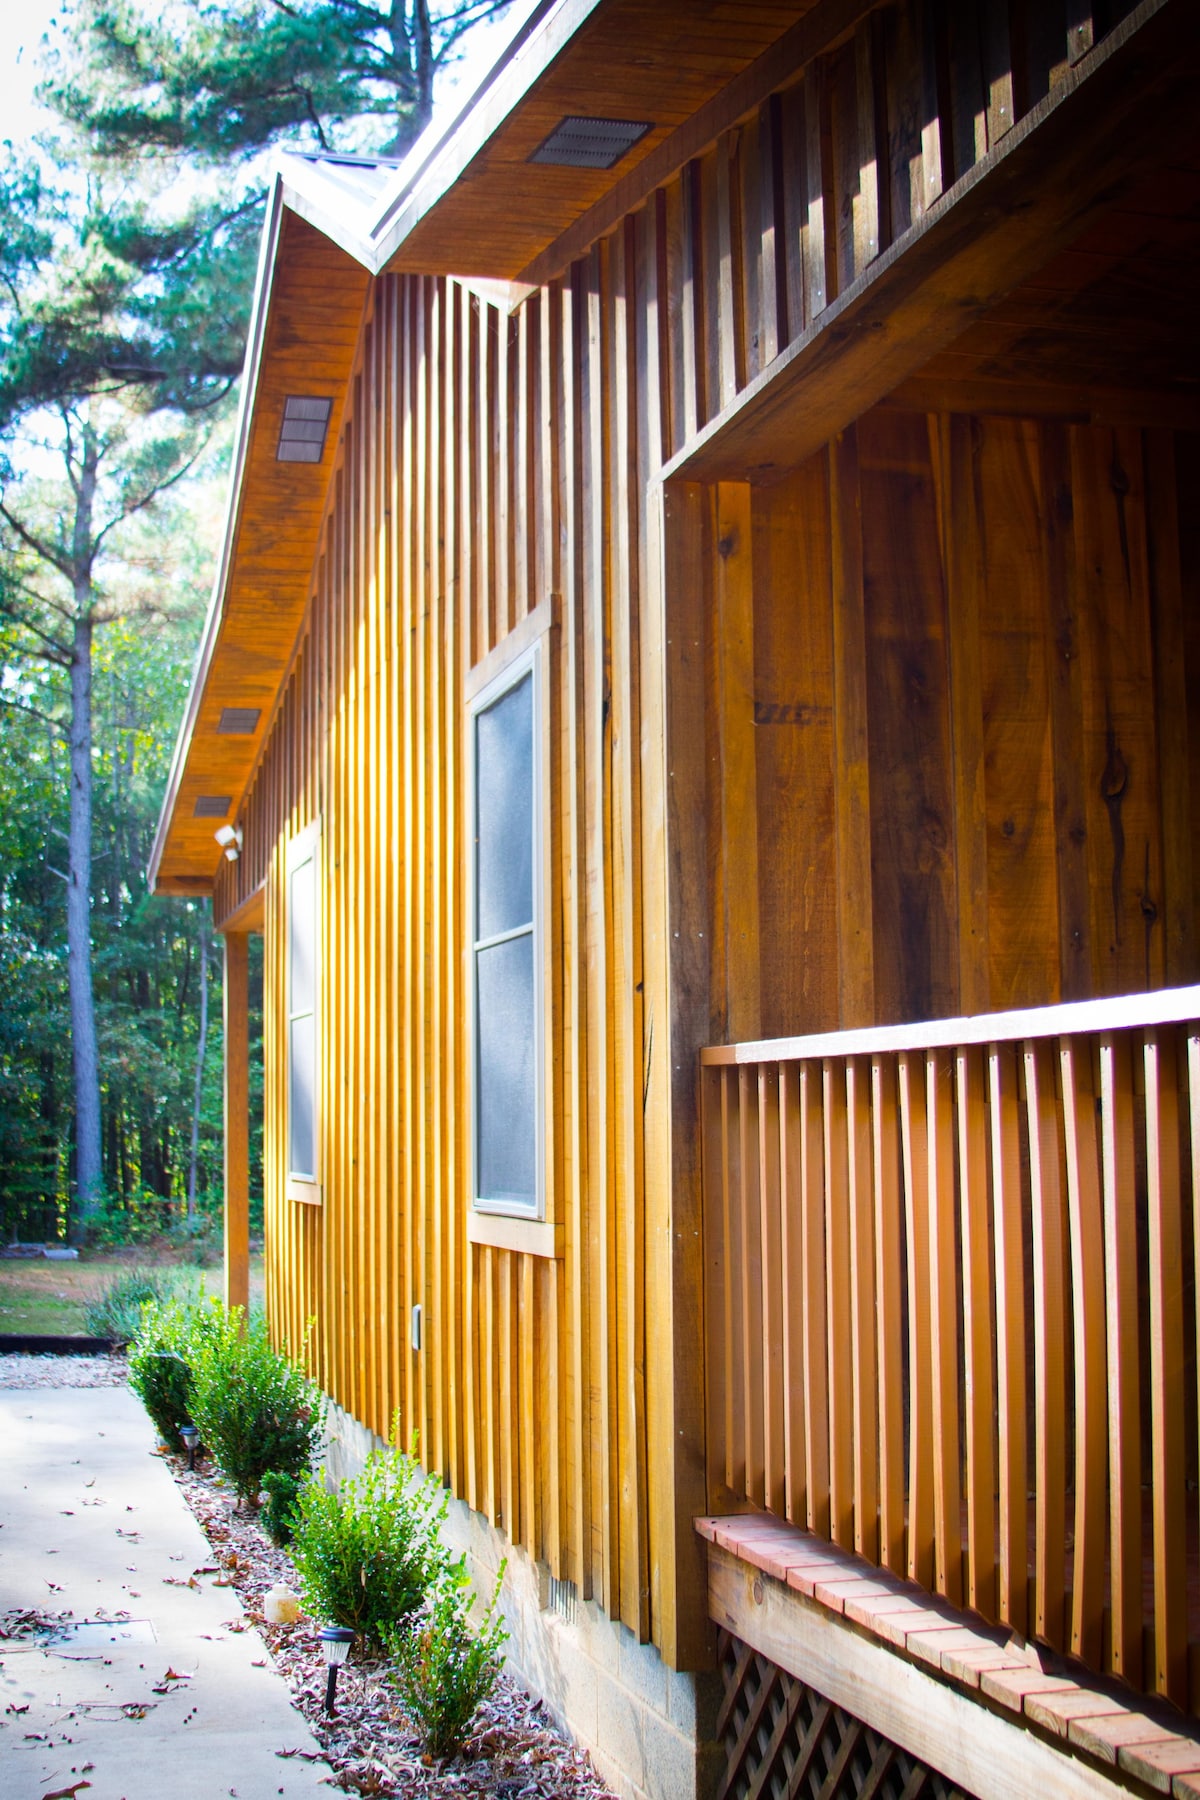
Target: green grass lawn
<point x="47" y="1299"/>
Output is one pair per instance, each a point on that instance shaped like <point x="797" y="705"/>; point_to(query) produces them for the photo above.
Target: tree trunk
<point x="201" y="1047"/>
<point x="84" y="1053"/>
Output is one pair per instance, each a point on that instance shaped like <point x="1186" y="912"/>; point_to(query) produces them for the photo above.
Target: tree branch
<point x="33" y="712"/>
<point x="35" y="542"/>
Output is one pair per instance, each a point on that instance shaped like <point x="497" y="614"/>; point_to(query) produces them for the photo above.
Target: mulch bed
<point x="515" y="1752"/>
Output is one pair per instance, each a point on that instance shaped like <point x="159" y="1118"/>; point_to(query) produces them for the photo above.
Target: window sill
<point x="307" y="1192"/>
<point x="530" y="1237"/>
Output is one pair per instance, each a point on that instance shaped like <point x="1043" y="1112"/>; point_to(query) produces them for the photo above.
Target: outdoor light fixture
<point x="230" y="839"/>
<point x="335" y="1647"/>
<point x="191" y="1438"/>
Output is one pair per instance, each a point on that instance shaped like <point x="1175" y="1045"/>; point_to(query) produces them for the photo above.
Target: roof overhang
<point x="305" y="330"/>
<point x="468" y="201"/>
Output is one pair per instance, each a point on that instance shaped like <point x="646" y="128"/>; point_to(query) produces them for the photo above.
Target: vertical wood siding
<point x="491" y="460"/>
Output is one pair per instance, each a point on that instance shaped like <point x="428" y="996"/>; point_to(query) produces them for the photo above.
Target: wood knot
<point x="1116" y="772"/>
<point x="727" y="545"/>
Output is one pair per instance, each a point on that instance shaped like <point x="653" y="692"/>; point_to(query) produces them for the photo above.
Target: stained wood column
<point x="237" y="1120"/>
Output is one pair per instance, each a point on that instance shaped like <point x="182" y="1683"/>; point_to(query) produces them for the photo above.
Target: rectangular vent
<point x="302" y="433"/>
<point x="579" y="143"/>
<point x="212" y="806"/>
<point x="564" y="1599"/>
<point x="239" y="721"/>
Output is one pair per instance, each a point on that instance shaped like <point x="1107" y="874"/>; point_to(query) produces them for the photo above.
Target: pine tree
<point x="224" y="81"/>
<point x="122" y="326"/>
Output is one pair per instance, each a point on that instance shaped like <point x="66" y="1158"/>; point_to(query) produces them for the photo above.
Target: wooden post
<point x="237" y="1121"/>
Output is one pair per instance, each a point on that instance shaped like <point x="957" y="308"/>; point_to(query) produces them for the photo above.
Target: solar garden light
<point x="191" y="1438"/>
<point x="335" y="1647"/>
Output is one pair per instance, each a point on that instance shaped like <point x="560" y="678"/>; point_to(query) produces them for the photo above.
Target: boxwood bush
<point x="256" y="1408"/>
<point x="161" y="1355"/>
<point x="368" y="1555"/>
<point x="444" y="1669"/>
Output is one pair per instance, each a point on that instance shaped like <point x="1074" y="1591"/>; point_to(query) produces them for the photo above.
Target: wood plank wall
<point x="487" y="462"/>
<point x="957" y="776"/>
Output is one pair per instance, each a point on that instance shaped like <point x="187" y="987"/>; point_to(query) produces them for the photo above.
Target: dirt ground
<point x="48" y="1298"/>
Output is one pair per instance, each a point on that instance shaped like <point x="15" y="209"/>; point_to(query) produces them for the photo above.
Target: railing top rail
<point x="1164" y="1006"/>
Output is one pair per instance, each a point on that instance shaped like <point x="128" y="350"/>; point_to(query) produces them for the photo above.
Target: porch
<point x="951" y="1333"/>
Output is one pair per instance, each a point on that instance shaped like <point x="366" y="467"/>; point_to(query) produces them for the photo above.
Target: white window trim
<point x="304" y="847"/>
<point x="524" y="650"/>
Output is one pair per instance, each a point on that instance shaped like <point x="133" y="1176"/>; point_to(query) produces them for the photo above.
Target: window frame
<point x="527" y="649"/>
<point x="303" y="848"/>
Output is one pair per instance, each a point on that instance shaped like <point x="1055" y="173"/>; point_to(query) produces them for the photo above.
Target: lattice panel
<point x="784" y="1741"/>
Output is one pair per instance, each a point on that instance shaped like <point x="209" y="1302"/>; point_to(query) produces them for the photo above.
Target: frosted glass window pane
<point x="302" y="937"/>
<point x="302" y="1142"/>
<point x="506" y="1106"/>
<point x="504" y="812"/>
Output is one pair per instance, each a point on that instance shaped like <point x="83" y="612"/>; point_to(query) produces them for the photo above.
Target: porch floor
<point x="1099" y="1721"/>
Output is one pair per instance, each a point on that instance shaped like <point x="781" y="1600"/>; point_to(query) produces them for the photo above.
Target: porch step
<point x="1130" y="1739"/>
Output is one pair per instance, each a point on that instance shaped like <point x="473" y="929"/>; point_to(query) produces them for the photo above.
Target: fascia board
<point x="264" y="279"/>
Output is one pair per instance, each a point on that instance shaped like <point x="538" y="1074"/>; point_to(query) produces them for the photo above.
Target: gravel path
<point x="515" y="1751"/>
<point x="62" y="1371"/>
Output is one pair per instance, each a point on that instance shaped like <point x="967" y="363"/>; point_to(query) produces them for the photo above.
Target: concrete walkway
<point x="91" y="1521"/>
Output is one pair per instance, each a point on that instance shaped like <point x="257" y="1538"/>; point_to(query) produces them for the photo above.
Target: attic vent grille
<point x="302" y="433"/>
<point x="239" y="721"/>
<point x="211" y="806"/>
<point x="579" y="143"/>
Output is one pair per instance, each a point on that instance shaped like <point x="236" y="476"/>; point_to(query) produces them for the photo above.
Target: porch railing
<point x="951" y="1313"/>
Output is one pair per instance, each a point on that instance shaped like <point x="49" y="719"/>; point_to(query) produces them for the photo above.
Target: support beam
<point x="237" y="1120"/>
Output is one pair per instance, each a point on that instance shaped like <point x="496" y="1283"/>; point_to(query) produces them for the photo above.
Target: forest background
<point x="129" y="224"/>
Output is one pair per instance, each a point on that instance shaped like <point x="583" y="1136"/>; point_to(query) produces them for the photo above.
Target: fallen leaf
<point x="18" y="1709"/>
<point x="67" y="1513"/>
<point x="177" y="1675"/>
<point x="67" y="1793"/>
<point x="259" y="1662"/>
<point x="207" y="1569"/>
<point x="90" y="1483"/>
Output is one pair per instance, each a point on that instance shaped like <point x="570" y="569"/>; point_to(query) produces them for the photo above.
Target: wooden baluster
<point x="943" y="1319"/>
<point x="1005" y="1149"/>
<point x="794" y="1301"/>
<point x="862" y="1308"/>
<point x="716" y="1325"/>
<point x="1166" y="1364"/>
<point x="770" y="1237"/>
<point x="735" y="1397"/>
<point x="837" y="1301"/>
<point x="920" y="1403"/>
<point x="1049" y="1329"/>
<point x="816" y="1363"/>
<point x="1124" y="1426"/>
<point x="751" y="1272"/>
<point x="1085" y="1213"/>
<point x="1193" y="1080"/>
<point x="888" y="1279"/>
<point x="977" y="1331"/>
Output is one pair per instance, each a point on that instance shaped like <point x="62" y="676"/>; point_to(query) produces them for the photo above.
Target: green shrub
<point x="278" y="1514"/>
<point x="117" y="1310"/>
<point x="160" y="1359"/>
<point x="367" y="1556"/>
<point x="256" y="1408"/>
<point x="442" y="1668"/>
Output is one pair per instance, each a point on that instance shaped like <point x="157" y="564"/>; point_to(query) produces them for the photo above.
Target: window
<point x="507" y="796"/>
<point x="303" y="992"/>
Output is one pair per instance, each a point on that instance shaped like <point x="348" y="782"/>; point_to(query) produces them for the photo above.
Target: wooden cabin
<point x="703" y="686"/>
